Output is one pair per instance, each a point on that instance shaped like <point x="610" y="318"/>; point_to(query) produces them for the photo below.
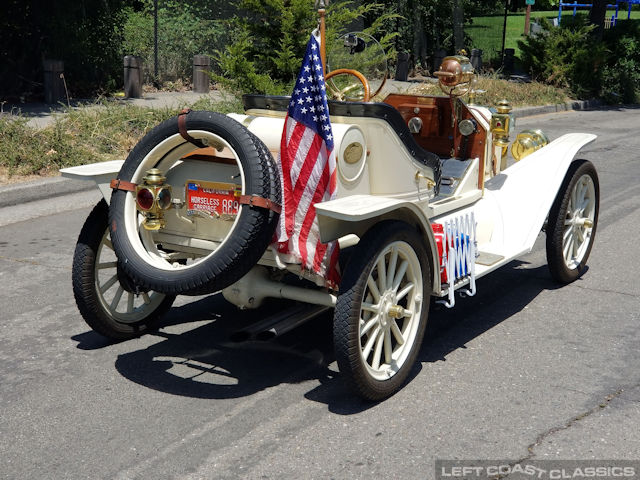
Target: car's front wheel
<point x="572" y="222"/>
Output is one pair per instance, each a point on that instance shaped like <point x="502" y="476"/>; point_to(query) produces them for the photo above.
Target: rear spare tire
<point x="156" y="260"/>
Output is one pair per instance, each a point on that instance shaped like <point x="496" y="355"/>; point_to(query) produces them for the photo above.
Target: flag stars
<point x="305" y="90"/>
<point x="304" y="110"/>
<point x="300" y="101"/>
<point x="307" y="68"/>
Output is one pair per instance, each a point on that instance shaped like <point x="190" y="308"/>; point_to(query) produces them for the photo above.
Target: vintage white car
<point x="425" y="205"/>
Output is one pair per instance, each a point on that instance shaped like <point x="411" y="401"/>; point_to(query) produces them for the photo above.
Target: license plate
<point x="215" y="199"/>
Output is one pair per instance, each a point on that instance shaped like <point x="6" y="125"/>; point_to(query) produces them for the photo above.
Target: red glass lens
<point x="145" y="198"/>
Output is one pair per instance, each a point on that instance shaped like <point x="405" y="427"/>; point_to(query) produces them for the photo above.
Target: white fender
<point x="102" y="173"/>
<point x="358" y="213"/>
<point x="525" y="191"/>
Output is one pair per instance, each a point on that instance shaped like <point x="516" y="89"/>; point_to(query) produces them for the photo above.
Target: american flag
<point x="308" y="171"/>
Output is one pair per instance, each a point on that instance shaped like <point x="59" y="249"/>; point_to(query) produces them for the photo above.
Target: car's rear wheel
<point x="382" y="310"/>
<point x="572" y="222"/>
<point x="109" y="301"/>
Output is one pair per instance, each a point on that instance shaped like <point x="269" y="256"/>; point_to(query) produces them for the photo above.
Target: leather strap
<point x="118" y="184"/>
<point x="182" y="128"/>
<point x="256" y="201"/>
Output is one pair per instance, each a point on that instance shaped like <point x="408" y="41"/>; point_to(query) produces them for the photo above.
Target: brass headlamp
<point x="153" y="197"/>
<point x="527" y="142"/>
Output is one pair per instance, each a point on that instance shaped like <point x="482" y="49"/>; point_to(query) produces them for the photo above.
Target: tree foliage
<point x="85" y="34"/>
<point x="185" y="29"/>
<point x="265" y="52"/>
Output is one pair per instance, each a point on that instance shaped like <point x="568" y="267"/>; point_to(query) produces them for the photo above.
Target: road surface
<point x="524" y="370"/>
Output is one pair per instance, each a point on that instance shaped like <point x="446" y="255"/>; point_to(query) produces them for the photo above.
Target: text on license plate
<point x="213" y="198"/>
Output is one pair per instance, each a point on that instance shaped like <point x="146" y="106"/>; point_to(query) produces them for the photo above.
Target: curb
<point x="31" y="191"/>
<point x="560" y="107"/>
<point x="24" y="192"/>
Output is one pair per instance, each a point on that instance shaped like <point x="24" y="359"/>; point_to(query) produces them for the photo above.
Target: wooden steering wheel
<point x="341" y="94"/>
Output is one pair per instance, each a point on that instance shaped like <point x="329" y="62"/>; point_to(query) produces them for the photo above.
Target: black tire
<point x="253" y="229"/>
<point x="92" y="303"/>
<point x="581" y="175"/>
<point x="357" y="363"/>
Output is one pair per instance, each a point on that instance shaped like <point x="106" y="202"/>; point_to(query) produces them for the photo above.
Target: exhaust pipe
<point x="279" y="323"/>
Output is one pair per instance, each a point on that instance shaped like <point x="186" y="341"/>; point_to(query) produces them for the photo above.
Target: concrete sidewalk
<point x="41" y="114"/>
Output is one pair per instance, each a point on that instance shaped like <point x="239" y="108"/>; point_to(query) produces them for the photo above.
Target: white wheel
<point x="381" y="312"/>
<point x="579" y="220"/>
<point x="572" y="222"/>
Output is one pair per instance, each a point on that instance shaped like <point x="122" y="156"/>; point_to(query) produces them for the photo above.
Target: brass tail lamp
<point x="153" y="198"/>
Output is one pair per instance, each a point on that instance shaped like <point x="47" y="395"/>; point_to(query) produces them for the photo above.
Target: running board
<point x="487" y="259"/>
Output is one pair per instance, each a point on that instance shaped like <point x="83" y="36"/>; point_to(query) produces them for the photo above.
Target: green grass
<point x="104" y="130"/>
<point x="486" y="32"/>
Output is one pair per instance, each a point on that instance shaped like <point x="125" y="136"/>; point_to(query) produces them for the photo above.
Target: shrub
<point x="566" y="56"/>
<point x="621" y="74"/>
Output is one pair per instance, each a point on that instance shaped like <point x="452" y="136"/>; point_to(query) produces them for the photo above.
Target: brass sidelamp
<point x="153" y="198"/>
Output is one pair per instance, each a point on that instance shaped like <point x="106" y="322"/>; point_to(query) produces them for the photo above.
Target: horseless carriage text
<point x="418" y="202"/>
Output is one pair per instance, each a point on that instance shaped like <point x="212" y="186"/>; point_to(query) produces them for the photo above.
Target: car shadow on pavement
<point x="197" y="358"/>
<point x="499" y="296"/>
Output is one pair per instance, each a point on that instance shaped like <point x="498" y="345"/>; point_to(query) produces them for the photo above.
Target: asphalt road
<point x="524" y="370"/>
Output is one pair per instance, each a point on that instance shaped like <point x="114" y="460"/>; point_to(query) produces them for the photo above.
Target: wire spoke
<point x="116" y="298"/>
<point x="567" y="248"/>
<point x="400" y="274"/>
<point x="382" y="273"/>
<point x="396" y="332"/>
<point x="373" y="289"/>
<point x="393" y="261"/>
<point x="403" y="293"/>
<point x="102" y="266"/>
<point x="387" y="347"/>
<point x="107" y="243"/>
<point x="109" y="283"/>
<point x="377" y="354"/>
<point x="370" y="307"/>
<point x="368" y="325"/>
<point x="370" y="341"/>
<point x="145" y="298"/>
<point x="130" y="298"/>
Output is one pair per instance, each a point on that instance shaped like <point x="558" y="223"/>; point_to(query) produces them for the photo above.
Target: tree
<point x="458" y="28"/>
<point x="597" y="15"/>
